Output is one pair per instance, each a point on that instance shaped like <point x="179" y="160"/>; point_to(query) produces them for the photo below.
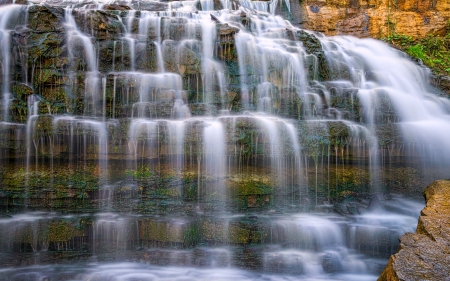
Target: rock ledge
<point x="425" y="255"/>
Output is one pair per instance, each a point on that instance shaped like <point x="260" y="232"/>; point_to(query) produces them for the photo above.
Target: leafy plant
<point x="417" y="52"/>
<point x="433" y="51"/>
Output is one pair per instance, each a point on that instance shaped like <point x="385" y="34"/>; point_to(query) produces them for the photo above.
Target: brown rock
<point x="425" y="255"/>
<point x="104" y="25"/>
<point x="357" y="26"/>
<point x="226" y="29"/>
<point x="255" y="201"/>
<point x="116" y="7"/>
<point x="226" y="33"/>
<point x="369" y="18"/>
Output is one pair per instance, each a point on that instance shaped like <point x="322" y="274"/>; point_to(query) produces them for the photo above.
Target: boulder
<point x="425" y="255"/>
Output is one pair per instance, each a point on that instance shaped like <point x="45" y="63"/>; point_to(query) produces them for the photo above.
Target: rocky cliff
<point x="375" y="18"/>
<point x="425" y="255"/>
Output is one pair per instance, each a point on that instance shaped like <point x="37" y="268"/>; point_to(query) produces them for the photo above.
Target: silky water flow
<point x="198" y="140"/>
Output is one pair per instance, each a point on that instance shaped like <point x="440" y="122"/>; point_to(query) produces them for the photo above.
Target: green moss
<point x="417" y="52"/>
<point x="193" y="235"/>
<point x="433" y="51"/>
<point x="220" y="232"/>
<point x="141" y="173"/>
<point x="254" y="188"/>
<point x="161" y="231"/>
<point x="60" y="231"/>
<point x="19" y="105"/>
<point x="342" y="180"/>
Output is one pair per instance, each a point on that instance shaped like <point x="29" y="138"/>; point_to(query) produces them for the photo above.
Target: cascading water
<point x="156" y="140"/>
<point x="8" y="16"/>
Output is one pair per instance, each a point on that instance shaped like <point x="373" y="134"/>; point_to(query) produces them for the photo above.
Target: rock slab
<point x="425" y="255"/>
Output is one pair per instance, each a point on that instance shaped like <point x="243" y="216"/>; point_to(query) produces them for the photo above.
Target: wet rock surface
<point x="442" y="82"/>
<point x="95" y="61"/>
<point x="425" y="255"/>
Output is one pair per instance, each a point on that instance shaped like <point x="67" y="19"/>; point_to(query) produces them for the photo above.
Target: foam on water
<point x="139" y="271"/>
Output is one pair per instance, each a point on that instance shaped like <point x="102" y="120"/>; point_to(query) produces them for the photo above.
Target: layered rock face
<point x="100" y="87"/>
<point x="376" y="18"/>
<point x="425" y="255"/>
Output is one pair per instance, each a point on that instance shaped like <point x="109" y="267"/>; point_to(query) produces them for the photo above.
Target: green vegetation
<point x="142" y="172"/>
<point x="434" y="51"/>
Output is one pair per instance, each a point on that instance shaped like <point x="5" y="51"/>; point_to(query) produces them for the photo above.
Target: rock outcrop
<point x="425" y="255"/>
<point x="442" y="83"/>
<point x="376" y="18"/>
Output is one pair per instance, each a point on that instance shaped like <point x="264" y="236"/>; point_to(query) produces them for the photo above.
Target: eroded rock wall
<point x="376" y="18"/>
<point x="425" y="255"/>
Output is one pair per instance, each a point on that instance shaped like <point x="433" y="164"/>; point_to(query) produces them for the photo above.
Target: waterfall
<point x="8" y="16"/>
<point x="202" y="143"/>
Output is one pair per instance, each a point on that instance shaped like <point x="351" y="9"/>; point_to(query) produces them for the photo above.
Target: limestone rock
<point x="425" y="255"/>
<point x="375" y="18"/>
<point x="225" y="29"/>
<point x="116" y="7"/>
<point x="357" y="25"/>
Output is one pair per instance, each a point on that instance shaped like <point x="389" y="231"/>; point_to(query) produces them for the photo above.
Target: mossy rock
<point x="61" y="231"/>
<point x="221" y="232"/>
<point x="44" y="18"/>
<point x="252" y="186"/>
<point x="44" y="126"/>
<point x="162" y="231"/>
<point x="45" y="44"/>
<point x="313" y="47"/>
<point x="105" y="25"/>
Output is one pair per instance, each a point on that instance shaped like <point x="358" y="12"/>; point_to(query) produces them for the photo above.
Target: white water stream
<point x="226" y="121"/>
